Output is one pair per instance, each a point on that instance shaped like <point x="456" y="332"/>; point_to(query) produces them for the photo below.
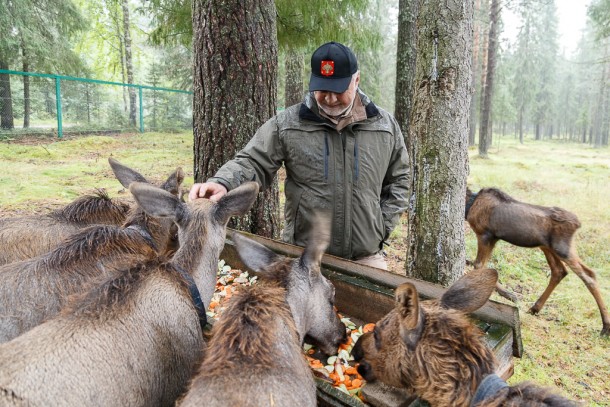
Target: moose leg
<point x="485" y="245"/>
<point x="558" y="272"/>
<point x="588" y="277"/>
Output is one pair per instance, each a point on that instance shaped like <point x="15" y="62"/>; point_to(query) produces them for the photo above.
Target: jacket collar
<point x="309" y="108"/>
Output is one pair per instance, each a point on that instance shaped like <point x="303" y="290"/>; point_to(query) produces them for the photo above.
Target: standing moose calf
<point x="493" y="215"/>
<point x="255" y="356"/>
<point x="435" y="352"/>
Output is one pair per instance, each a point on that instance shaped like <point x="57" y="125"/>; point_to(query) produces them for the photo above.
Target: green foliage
<point x="40" y="32"/>
<point x="599" y="11"/>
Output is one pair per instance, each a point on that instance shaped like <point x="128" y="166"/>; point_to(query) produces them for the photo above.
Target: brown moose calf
<point x="493" y="215"/>
<point x="255" y="356"/>
<point x="433" y="350"/>
<point x="25" y="237"/>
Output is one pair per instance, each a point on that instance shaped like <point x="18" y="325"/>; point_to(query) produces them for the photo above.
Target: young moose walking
<point x="493" y="215"/>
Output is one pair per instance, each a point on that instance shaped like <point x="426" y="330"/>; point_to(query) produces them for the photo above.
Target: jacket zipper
<point x="356" y="163"/>
<point x="327" y="153"/>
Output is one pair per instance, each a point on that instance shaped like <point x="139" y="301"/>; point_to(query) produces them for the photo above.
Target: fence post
<point x="60" y="130"/>
<point x="141" y="111"/>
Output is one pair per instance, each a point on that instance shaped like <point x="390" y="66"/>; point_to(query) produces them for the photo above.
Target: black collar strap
<point x="195" y="296"/>
<point x="490" y="385"/>
<point x="473" y="196"/>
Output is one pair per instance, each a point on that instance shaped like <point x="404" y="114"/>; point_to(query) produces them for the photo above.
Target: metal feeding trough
<point x="366" y="294"/>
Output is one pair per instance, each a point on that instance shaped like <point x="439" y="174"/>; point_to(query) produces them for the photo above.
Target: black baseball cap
<point x="332" y="67"/>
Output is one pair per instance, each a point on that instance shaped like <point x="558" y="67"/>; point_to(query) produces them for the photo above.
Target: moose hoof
<point x="533" y="311"/>
<point x="605" y="331"/>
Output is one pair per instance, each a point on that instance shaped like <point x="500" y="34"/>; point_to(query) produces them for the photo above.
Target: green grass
<point x="562" y="345"/>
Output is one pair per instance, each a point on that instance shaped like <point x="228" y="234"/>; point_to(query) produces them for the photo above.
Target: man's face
<point x="336" y="104"/>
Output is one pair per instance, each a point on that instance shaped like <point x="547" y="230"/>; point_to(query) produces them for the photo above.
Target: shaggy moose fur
<point x="256" y="345"/>
<point x="25" y="237"/>
<point x="135" y="340"/>
<point x="493" y="215"/>
<point x="433" y="350"/>
<point x="35" y="289"/>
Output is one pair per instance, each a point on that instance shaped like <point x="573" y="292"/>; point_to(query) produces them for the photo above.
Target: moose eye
<point x="377" y="337"/>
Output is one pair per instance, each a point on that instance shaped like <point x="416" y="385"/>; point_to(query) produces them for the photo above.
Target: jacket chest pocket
<point x="307" y="156"/>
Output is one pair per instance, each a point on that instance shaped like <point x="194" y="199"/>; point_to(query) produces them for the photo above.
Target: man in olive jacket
<point x="342" y="154"/>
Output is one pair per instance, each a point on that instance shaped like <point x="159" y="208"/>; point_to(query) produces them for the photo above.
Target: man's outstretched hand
<point x="210" y="190"/>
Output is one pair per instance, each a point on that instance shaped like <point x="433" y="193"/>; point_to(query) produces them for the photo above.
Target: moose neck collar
<point x="195" y="296"/>
<point x="488" y="387"/>
<point x="473" y="196"/>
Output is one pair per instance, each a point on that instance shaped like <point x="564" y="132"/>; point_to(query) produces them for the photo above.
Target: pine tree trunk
<point x="472" y="131"/>
<point x="406" y="56"/>
<point x="293" y="92"/>
<point x="6" y="99"/>
<point x="129" y="64"/>
<point x="26" y="95"/>
<point x="485" y="130"/>
<point x="439" y="129"/>
<point x="235" y="76"/>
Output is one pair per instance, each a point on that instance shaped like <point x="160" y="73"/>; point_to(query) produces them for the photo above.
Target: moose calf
<point x="34" y="290"/>
<point x="25" y="237"/>
<point x="493" y="215"/>
<point x="256" y="345"/>
<point x="432" y="350"/>
<point x="136" y="339"/>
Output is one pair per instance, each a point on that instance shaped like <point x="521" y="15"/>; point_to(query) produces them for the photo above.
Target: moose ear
<point x="124" y="174"/>
<point x="173" y="182"/>
<point x="471" y="291"/>
<point x="411" y="318"/>
<point x="254" y="255"/>
<point x="155" y="201"/>
<point x="237" y="202"/>
<point x="317" y="243"/>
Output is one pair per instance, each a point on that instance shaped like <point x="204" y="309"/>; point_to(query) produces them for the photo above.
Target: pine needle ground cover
<point x="562" y="345"/>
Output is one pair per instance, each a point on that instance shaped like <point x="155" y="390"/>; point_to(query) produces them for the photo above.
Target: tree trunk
<point x="6" y="99"/>
<point x="406" y="56"/>
<point x="485" y="130"/>
<point x="472" y="131"/>
<point x="26" y="89"/>
<point x="235" y="76"/>
<point x="129" y="64"/>
<point x="293" y="92"/>
<point x="439" y="129"/>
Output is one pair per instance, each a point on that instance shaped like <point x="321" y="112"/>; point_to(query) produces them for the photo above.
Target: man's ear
<point x="411" y="317"/>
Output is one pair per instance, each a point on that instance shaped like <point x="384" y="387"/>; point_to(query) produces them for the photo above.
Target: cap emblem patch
<point x="327" y="68"/>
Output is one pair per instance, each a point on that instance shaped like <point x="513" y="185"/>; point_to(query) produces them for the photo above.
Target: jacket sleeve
<point x="395" y="189"/>
<point x="258" y="161"/>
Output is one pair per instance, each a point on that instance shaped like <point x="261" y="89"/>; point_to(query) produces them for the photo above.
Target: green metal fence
<point x="34" y="103"/>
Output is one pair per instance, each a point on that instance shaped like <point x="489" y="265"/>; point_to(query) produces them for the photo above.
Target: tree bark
<point x="26" y="89"/>
<point x="406" y="56"/>
<point x="485" y="130"/>
<point x="129" y="64"/>
<point x="6" y="99"/>
<point x="235" y="72"/>
<point x="293" y="92"/>
<point x="439" y="129"/>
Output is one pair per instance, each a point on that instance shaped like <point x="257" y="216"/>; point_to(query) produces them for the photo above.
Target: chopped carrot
<point x="351" y="370"/>
<point x="368" y="328"/>
<point x="356" y="383"/>
<point x="214" y="304"/>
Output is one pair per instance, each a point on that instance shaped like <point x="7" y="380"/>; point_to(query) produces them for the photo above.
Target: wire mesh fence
<point x="44" y="104"/>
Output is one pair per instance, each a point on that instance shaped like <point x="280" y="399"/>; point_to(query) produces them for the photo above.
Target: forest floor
<point x="562" y="347"/>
